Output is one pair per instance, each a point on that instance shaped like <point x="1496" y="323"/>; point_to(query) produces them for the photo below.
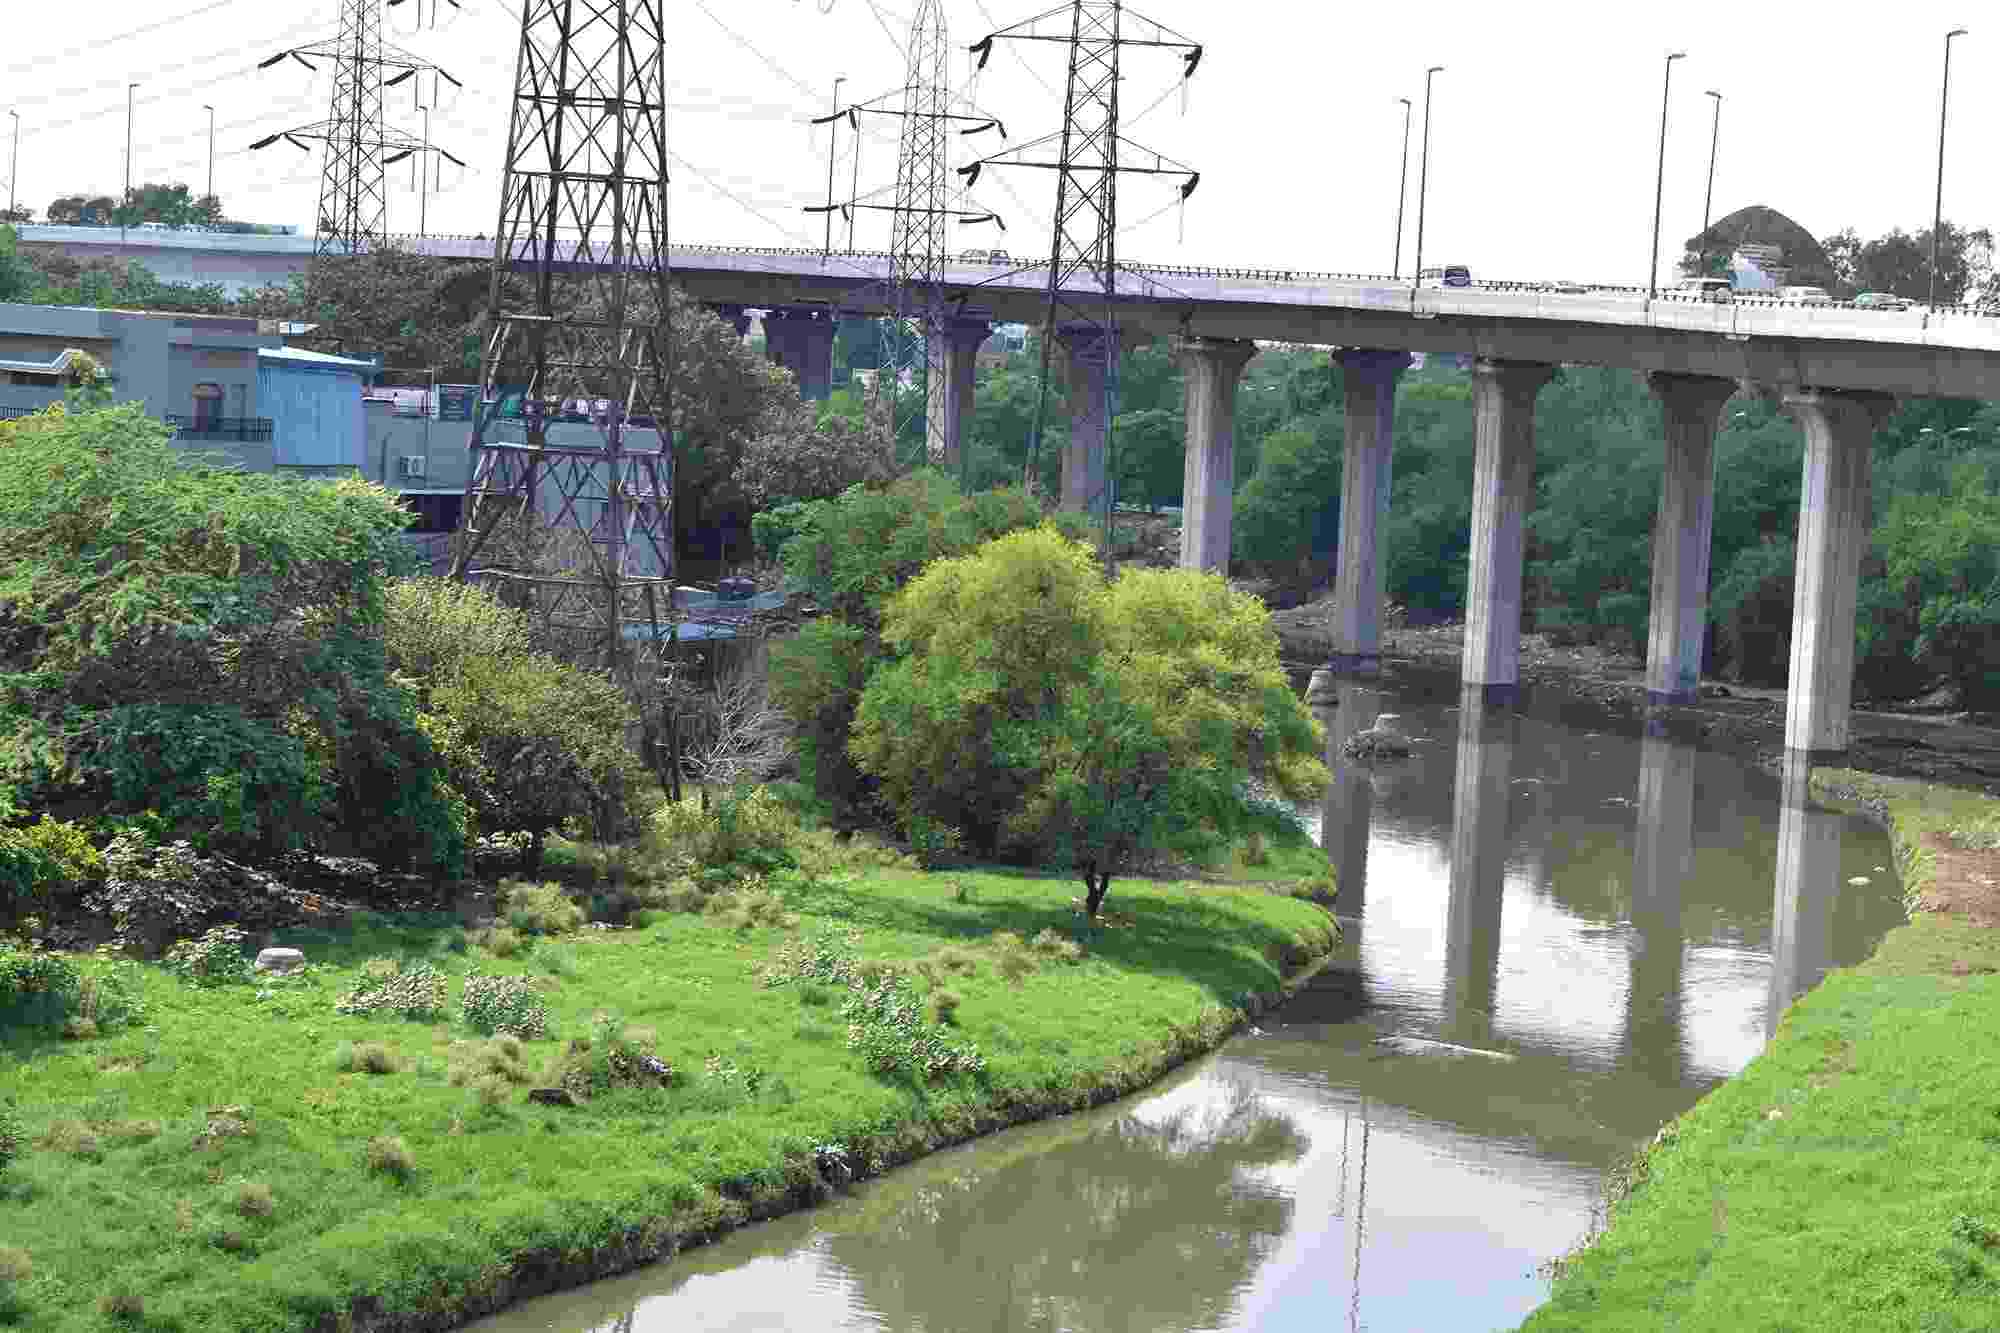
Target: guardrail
<point x="250" y="430"/>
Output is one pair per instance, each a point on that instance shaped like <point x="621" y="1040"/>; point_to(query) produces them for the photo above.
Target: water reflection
<point x="1479" y="844"/>
<point x="1809" y="884"/>
<point x="1350" y="795"/>
<point x="1662" y="862"/>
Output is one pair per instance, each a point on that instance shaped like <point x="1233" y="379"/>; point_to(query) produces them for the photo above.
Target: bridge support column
<point x="1833" y="532"/>
<point x="951" y="389"/>
<point x="800" y="338"/>
<point x="1480" y="827"/>
<point x="1213" y="367"/>
<point x="1370" y="378"/>
<point x="1503" y="489"/>
<point x="1085" y="485"/>
<point x="735" y="316"/>
<point x="1691" y="404"/>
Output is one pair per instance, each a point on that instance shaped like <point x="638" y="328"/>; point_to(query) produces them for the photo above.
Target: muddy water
<point x="1556" y="938"/>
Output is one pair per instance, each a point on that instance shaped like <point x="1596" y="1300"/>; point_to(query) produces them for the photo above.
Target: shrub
<point x="745" y="829"/>
<point x="388" y="1154"/>
<point x="216" y="959"/>
<point x="121" y="1303"/>
<point x="613" y="1056"/>
<point x="538" y="909"/>
<point x="15" y="1264"/>
<point x="1056" y="947"/>
<point x="253" y="1199"/>
<point x="886" y="1023"/>
<point x="749" y="906"/>
<point x="504" y="942"/>
<point x="369" y="1057"/>
<point x="944" y="1006"/>
<point x="430" y="626"/>
<point x="829" y="956"/>
<point x="36" y="989"/>
<point x="504" y="1005"/>
<point x="499" y="1058"/>
<point x="39" y="858"/>
<point x="13" y="1137"/>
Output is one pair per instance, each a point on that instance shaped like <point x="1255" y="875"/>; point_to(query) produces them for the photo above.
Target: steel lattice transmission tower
<point x="353" y="198"/>
<point x="574" y="425"/>
<point x="922" y="208"/>
<point x="1088" y="158"/>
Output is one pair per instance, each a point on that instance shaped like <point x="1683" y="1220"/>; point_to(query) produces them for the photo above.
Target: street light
<point x="211" y="148"/>
<point x="424" y="180"/>
<point x="126" y="202"/>
<point x="1402" y="188"/>
<point x="1660" y="182"/>
<point x="1714" y="139"/>
<point x="1424" y="174"/>
<point x="14" y="167"/>
<point x="1937" y="218"/>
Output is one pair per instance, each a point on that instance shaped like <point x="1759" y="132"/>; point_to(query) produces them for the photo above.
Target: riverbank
<point x="1934" y="744"/>
<point x="1847" y="1177"/>
<point x="244" y="1157"/>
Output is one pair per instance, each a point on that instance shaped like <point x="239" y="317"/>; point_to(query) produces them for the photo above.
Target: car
<point x="1563" y="287"/>
<point x="1451" y="275"/>
<point x="1806" y="296"/>
<point x="984" y="257"/>
<point x="1881" y="301"/>
<point x="1706" y="289"/>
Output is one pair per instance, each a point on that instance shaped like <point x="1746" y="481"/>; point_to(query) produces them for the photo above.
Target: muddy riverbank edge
<point x="1840" y="1179"/>
<point x="650" y="1240"/>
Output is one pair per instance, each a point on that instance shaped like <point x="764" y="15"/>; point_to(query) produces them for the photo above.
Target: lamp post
<point x="1402" y="189"/>
<point x="1708" y="200"/>
<point x="211" y="148"/>
<point x="1660" y="182"/>
<point x="832" y="136"/>
<point x="424" y="179"/>
<point x="126" y="202"/>
<point x="1424" y="177"/>
<point x="14" y="167"/>
<point x="1937" y="218"/>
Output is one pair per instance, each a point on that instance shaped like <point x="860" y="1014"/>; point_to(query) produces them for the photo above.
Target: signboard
<point x="453" y="402"/>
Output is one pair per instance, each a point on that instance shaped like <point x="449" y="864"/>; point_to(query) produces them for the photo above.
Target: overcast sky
<point x="1546" y="119"/>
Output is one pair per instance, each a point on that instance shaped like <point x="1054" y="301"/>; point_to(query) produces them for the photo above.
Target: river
<point x="1565" y="933"/>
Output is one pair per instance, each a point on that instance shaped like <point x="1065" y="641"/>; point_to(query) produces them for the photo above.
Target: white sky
<point x="1542" y="154"/>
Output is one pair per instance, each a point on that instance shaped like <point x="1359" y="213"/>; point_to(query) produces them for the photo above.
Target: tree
<point x="804" y="454"/>
<point x="18" y="278"/>
<point x="204" y="643"/>
<point x="1047" y="715"/>
<point x="168" y="205"/>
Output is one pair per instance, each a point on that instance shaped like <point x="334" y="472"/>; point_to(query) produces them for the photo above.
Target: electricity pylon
<point x="921" y="209"/>
<point x="1083" y="254"/>
<point x="585" y="194"/>
<point x="353" y="199"/>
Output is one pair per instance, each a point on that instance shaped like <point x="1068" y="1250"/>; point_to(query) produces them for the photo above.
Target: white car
<point x="1806" y="295"/>
<point x="1706" y="289"/>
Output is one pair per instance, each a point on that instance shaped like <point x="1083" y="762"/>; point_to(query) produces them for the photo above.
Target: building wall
<point x="316" y="415"/>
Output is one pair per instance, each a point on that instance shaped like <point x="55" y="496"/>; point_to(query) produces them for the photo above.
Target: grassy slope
<point x="144" y="1216"/>
<point x="1850" y="1176"/>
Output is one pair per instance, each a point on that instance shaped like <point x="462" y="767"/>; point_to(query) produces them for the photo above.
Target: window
<point x="207" y="406"/>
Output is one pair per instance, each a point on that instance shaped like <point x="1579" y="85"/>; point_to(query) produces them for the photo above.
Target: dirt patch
<point x="1964" y="882"/>
<point x="1955" y="748"/>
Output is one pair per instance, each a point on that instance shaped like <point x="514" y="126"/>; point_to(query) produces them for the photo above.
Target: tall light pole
<point x="1424" y="175"/>
<point x="832" y="136"/>
<point x="1402" y="188"/>
<point x="1660" y="182"/>
<point x="126" y="202"/>
<point x="1708" y="200"/>
<point x="424" y="179"/>
<point x="211" y="148"/>
<point x="14" y="167"/>
<point x="1937" y="218"/>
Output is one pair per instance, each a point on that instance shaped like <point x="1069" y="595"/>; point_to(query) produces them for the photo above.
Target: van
<point x="1806" y="295"/>
<point x="1706" y="289"/>
<point x="1451" y="275"/>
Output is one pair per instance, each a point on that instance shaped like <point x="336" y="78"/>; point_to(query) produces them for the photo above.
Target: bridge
<point x="1838" y="368"/>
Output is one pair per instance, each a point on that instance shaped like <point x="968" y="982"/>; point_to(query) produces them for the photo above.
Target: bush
<point x="829" y="956"/>
<point x="505" y="942"/>
<point x="253" y="1199"/>
<point x="417" y="992"/>
<point x="39" y="858"/>
<point x="504" y="1005"/>
<point x="13" y="1137"/>
<point x="216" y="959"/>
<point x="613" y="1056"/>
<point x="499" y="1058"/>
<point x="388" y="1154"/>
<point x="36" y="989"/>
<point x="538" y="909"/>
<point x="886" y="1023"/>
<point x="370" y="1057"/>
<point x="745" y="830"/>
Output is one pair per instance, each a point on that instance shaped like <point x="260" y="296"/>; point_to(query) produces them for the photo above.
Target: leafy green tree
<point x="206" y="643"/>
<point x="18" y="278"/>
<point x="169" y="205"/>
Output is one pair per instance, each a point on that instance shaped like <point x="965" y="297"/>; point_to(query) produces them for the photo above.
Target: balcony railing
<point x="249" y="430"/>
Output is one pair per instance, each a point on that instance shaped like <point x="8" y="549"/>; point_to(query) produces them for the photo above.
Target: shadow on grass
<point x="379" y="935"/>
<point x="1184" y="933"/>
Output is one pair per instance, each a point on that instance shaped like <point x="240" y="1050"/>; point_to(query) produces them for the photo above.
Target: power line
<point x="44" y="59"/>
<point x="118" y="107"/>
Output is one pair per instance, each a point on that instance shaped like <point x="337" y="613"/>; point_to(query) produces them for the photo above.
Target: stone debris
<point x="279" y="960"/>
<point x="554" y="1097"/>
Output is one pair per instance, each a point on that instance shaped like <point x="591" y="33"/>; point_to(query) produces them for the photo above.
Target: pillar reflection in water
<point x="1808" y="884"/>
<point x="1662" y="860"/>
<point x="1479" y="842"/>
<point x="1350" y="794"/>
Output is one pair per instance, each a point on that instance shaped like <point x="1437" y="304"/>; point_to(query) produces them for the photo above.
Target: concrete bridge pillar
<point x="1370" y="379"/>
<point x="1691" y="405"/>
<point x="736" y="316"/>
<point x="1833" y="532"/>
<point x="954" y="359"/>
<point x="1212" y="368"/>
<point x="800" y="338"/>
<point x="1503" y="490"/>
<point x="1479" y="840"/>
<point x="1085" y="485"/>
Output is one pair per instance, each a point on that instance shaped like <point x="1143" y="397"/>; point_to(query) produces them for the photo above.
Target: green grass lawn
<point x="1849" y="1178"/>
<point x="211" y="1164"/>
